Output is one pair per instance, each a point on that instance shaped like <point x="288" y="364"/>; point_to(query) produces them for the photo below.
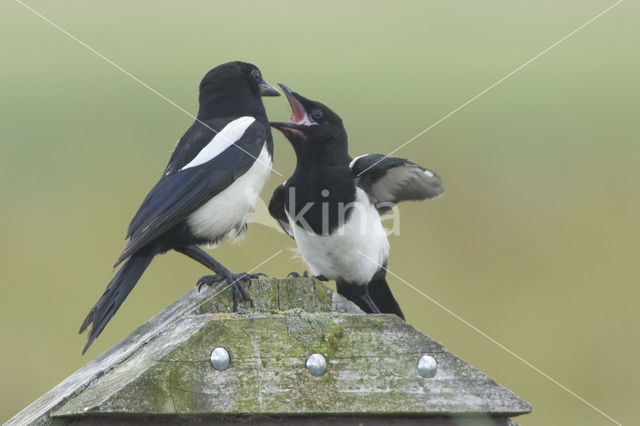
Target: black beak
<point x="299" y="117"/>
<point x="295" y="127"/>
<point x="297" y="108"/>
<point x="268" y="90"/>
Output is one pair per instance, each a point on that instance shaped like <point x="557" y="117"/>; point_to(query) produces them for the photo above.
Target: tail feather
<point x="381" y="294"/>
<point x="115" y="293"/>
<point x="378" y="291"/>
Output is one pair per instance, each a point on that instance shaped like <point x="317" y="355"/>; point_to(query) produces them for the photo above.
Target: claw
<point x="235" y="280"/>
<point x="255" y="276"/>
<point x="209" y="280"/>
<point x="238" y="290"/>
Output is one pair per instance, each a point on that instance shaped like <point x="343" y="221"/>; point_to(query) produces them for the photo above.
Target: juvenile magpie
<point x="331" y="205"/>
<point x="206" y="192"/>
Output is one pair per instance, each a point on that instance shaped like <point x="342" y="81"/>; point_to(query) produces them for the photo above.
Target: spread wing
<point x="390" y="180"/>
<point x="177" y="194"/>
<point x="277" y="206"/>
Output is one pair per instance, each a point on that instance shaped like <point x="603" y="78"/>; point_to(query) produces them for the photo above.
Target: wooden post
<point x="162" y="373"/>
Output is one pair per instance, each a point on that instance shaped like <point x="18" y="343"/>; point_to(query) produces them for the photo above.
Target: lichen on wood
<point x="163" y="368"/>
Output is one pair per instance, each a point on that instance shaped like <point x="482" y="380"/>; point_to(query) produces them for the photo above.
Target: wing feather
<point x="390" y="180"/>
<point x="178" y="194"/>
<point x="277" y="206"/>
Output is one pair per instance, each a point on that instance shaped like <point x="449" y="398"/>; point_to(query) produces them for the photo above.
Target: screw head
<point x="220" y="359"/>
<point x="427" y="366"/>
<point x="316" y="364"/>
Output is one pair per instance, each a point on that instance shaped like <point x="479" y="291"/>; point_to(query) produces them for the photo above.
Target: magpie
<point x="206" y="192"/>
<point x="332" y="204"/>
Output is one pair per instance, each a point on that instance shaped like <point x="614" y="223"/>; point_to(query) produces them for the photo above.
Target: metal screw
<point x="220" y="359"/>
<point x="427" y="366"/>
<point x="316" y="364"/>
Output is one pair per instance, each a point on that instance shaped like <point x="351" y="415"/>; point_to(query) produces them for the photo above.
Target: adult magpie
<point x="206" y="192"/>
<point x="331" y="205"/>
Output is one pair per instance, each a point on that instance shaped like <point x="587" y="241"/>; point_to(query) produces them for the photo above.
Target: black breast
<point x="320" y="200"/>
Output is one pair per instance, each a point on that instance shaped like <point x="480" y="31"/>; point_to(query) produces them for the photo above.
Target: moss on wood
<point x="163" y="368"/>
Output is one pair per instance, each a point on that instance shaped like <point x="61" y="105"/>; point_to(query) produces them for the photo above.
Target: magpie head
<point x="311" y="123"/>
<point x="234" y="77"/>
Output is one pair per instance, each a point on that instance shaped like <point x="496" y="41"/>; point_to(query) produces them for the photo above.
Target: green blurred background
<point x="535" y="241"/>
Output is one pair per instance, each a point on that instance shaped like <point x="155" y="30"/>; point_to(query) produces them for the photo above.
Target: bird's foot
<point x="305" y="274"/>
<point x="294" y="274"/>
<point x="239" y="292"/>
<point x="234" y="280"/>
<point x="210" y="280"/>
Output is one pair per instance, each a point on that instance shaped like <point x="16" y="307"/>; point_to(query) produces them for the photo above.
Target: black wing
<point x="177" y="195"/>
<point x="390" y="180"/>
<point x="277" y="206"/>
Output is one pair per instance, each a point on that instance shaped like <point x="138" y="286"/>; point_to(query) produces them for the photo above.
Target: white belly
<point x="354" y="252"/>
<point x="230" y="209"/>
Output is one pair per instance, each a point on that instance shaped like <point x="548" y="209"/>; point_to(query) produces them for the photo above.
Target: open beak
<point x="299" y="117"/>
<point x="268" y="90"/>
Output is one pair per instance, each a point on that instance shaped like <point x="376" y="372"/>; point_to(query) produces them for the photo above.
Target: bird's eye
<point x="256" y="75"/>
<point x="317" y="114"/>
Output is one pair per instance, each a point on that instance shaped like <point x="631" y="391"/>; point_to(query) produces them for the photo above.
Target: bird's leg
<point x="369" y="302"/>
<point x="222" y="273"/>
<point x="362" y="291"/>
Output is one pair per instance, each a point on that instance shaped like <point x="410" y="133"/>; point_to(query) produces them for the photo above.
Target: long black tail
<point x="117" y="290"/>
<point x="377" y="292"/>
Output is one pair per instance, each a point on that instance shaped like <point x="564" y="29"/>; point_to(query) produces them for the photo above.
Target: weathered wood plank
<point x="163" y="368"/>
<point x="371" y="370"/>
<point x="191" y="419"/>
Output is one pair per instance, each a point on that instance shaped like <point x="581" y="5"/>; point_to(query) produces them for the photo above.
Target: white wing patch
<point x="230" y="134"/>
<point x="356" y="159"/>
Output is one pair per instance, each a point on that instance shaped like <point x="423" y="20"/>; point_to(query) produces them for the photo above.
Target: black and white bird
<point x="207" y="191"/>
<point x="331" y="205"/>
